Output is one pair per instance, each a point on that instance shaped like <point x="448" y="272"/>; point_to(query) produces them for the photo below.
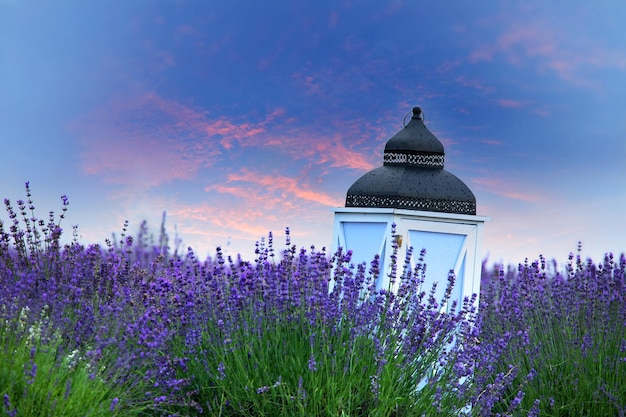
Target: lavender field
<point x="129" y="327"/>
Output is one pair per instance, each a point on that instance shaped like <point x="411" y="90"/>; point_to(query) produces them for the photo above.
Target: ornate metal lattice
<point x="425" y="204"/>
<point x="413" y="159"/>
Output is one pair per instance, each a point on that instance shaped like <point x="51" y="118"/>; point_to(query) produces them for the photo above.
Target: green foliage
<point x="39" y="379"/>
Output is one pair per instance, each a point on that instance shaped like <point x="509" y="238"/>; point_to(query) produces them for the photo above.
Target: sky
<point x="237" y="118"/>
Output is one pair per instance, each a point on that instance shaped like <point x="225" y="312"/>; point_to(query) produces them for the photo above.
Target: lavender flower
<point x="32" y="373"/>
<point x="312" y="363"/>
<point x="114" y="403"/>
<point x="263" y="389"/>
<point x="11" y="412"/>
<point x="301" y="390"/>
<point x="220" y="370"/>
<point x="170" y="320"/>
<point x="68" y="388"/>
<point x="534" y="411"/>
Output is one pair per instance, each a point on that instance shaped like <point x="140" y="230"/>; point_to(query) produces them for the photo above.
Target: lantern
<point x="431" y="209"/>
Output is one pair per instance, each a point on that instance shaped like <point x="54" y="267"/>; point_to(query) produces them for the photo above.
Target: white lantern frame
<point x="452" y="242"/>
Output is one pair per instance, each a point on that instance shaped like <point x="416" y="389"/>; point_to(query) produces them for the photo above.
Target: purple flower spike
<point x="312" y="363"/>
<point x="7" y="406"/>
<point x="114" y="403"/>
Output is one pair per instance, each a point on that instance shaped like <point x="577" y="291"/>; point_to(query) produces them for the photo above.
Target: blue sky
<point x="239" y="117"/>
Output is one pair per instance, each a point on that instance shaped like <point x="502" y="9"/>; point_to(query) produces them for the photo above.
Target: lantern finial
<point x="417" y="113"/>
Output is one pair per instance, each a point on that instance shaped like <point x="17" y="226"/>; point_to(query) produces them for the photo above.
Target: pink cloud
<point x="239" y="220"/>
<point x="144" y="140"/>
<point x="231" y="131"/>
<point x="310" y="82"/>
<point x="483" y="53"/>
<point x="149" y="140"/>
<point x="511" y="104"/>
<point x="286" y="186"/>
<point x="507" y="189"/>
<point x="569" y="57"/>
<point x="243" y="132"/>
<point x="332" y="151"/>
<point x="301" y="142"/>
<point x="472" y="84"/>
<point x="542" y="113"/>
<point x="492" y="142"/>
<point x="536" y="40"/>
<point x="249" y="204"/>
<point x="532" y="40"/>
<point x="268" y="61"/>
<point x="186" y="29"/>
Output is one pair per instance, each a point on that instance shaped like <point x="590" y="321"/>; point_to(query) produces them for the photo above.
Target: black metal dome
<point x="412" y="176"/>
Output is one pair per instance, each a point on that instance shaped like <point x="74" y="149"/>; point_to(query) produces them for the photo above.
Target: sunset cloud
<point x="472" y="83"/>
<point x="286" y="186"/>
<point x="548" y="49"/>
<point x="249" y="205"/>
<point x="331" y="151"/>
<point x="492" y="142"/>
<point x="511" y="104"/>
<point x="508" y="189"/>
<point x="235" y="227"/>
<point x="149" y="140"/>
<point x="531" y="40"/>
<point x="239" y="221"/>
<point x="144" y="140"/>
